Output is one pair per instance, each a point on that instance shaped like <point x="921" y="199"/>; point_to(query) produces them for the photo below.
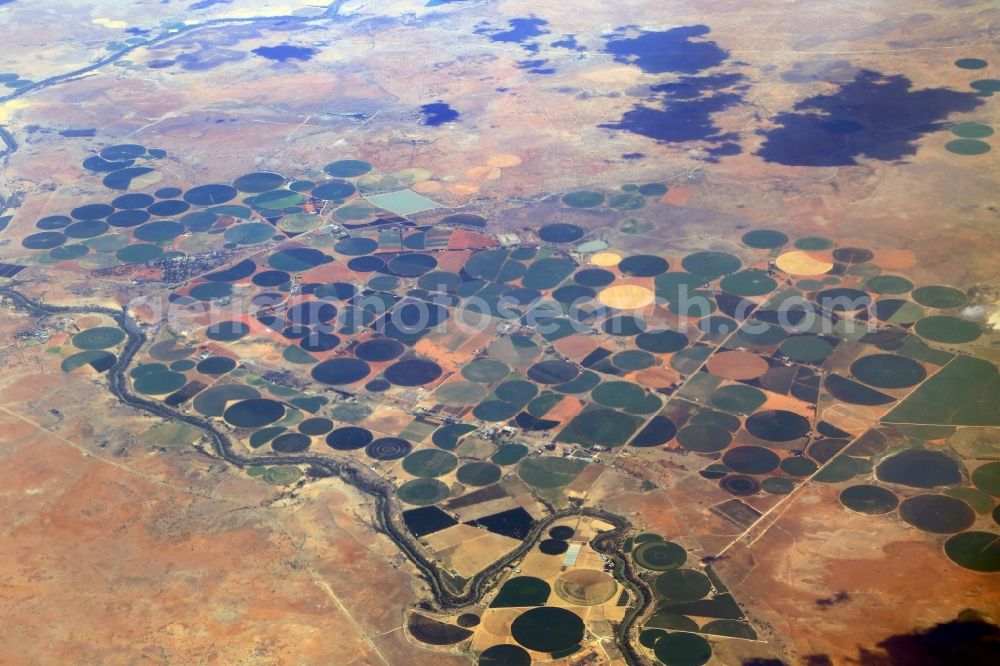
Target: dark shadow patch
<point x="205" y="4"/>
<point x="875" y="116"/>
<point x="658" y="52"/>
<point x="285" y="52"/>
<point x="438" y="113"/>
<point x="829" y="602"/>
<point x="967" y="641"/>
<point x="536" y="66"/>
<point x="568" y="42"/>
<point x="686" y="107"/>
<point x="521" y="31"/>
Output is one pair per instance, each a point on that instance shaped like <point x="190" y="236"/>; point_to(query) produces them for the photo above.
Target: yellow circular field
<point x="605" y="259"/>
<point x="626" y="296"/>
<point x="585" y="587"/>
<point x="798" y="262"/>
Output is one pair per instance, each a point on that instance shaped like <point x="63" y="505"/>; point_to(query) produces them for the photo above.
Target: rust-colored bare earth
<point x="231" y="179"/>
<point x="121" y="551"/>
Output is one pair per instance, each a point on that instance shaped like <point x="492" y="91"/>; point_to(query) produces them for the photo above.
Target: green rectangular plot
<point x="389" y="239"/>
<point x="403" y="202"/>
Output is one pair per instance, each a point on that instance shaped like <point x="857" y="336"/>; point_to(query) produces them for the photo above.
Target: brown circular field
<point x="737" y="365"/>
<point x="585" y="587"/>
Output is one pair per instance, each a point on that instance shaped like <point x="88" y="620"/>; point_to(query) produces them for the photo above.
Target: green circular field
<point x="869" y="500"/>
<point x="505" y="655"/>
<point x="627" y="396"/>
<point x="631" y="360"/>
<point x="888" y="371"/>
<point x="806" y="348"/>
<point x="751" y="459"/>
<point x="509" y="454"/>
<point x="159" y="383"/>
<point x="583" y="199"/>
<point x="938" y="514"/>
<point x="648" y="637"/>
<point x="96" y="359"/>
<point x="661" y="342"/>
<point x="549" y="472"/>
<point x="682" y="649"/>
<point x="249" y="233"/>
<point x="683" y="585"/>
<point x="547" y="629"/>
<point x="811" y="243"/>
<point x="838" y="470"/>
<point x="971" y="63"/>
<point x="978" y="551"/>
<point x="478" y="473"/>
<point x="139" y="253"/>
<point x="213" y="401"/>
<point x="731" y="628"/>
<point x="448" y="436"/>
<point x="967" y="147"/>
<point x="704" y="437"/>
<point x="429" y="463"/>
<point x="560" y="232"/>
<point x="161" y="230"/>
<point x="485" y="371"/>
<point x="749" y="282"/>
<point x="920" y="468"/>
<point x="495" y="410"/>
<point x="939" y="296"/>
<point x="254" y="413"/>
<point x="796" y="466"/>
<point x="709" y="264"/>
<point x="347" y="168"/>
<point x="101" y="337"/>
<point x="259" y="182"/>
<point x="458" y="393"/>
<point x="889" y="284"/>
<point x="516" y="390"/>
<point x="948" y="330"/>
<point x="737" y="398"/>
<point x="282" y="475"/>
<point x="987" y="478"/>
<point x="659" y="555"/>
<point x="764" y="239"/>
<point x="972" y="130"/>
<point x="227" y="331"/>
<point x="521" y="591"/>
<point x="422" y="492"/>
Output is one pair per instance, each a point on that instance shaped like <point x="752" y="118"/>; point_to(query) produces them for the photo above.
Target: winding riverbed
<point x="388" y="516"/>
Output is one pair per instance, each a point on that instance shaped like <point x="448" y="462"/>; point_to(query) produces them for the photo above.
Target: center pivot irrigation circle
<point x="547" y="629"/>
<point x="388" y="448"/>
